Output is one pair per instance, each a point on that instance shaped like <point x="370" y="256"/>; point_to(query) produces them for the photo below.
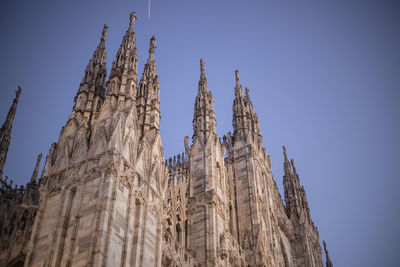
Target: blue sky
<point x="323" y="76"/>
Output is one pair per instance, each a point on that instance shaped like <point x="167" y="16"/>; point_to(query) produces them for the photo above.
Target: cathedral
<point x="107" y="196"/>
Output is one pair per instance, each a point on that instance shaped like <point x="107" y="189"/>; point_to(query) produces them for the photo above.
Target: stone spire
<point x="123" y="77"/>
<point x="286" y="164"/>
<point x="295" y="195"/>
<point x="36" y="170"/>
<point x="150" y="71"/>
<point x="328" y="259"/>
<point x="5" y="131"/>
<point x="49" y="160"/>
<point x="148" y="94"/>
<point x="238" y="86"/>
<point x="204" y="122"/>
<point x="244" y="119"/>
<point x="91" y="91"/>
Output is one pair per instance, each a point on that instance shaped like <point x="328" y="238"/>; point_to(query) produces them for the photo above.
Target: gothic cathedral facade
<point x="108" y="197"/>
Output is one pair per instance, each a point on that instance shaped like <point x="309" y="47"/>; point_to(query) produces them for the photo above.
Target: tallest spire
<point x="5" y="131"/>
<point x="122" y="82"/>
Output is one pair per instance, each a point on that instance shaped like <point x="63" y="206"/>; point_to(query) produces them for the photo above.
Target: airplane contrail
<point x="148" y="9"/>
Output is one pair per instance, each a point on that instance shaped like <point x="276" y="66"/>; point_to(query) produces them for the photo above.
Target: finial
<point x="18" y="92"/>
<point x="284" y="153"/>
<point x="152" y="44"/>
<point x="132" y="18"/>
<point x="104" y="33"/>
<point x="238" y="87"/>
<point x="36" y="170"/>
<point x="202" y="67"/>
<point x="294" y="168"/>
<point x="237" y="76"/>
<point x="247" y="91"/>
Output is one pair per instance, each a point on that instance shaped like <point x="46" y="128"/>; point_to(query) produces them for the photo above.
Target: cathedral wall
<point x="48" y="226"/>
<point x="286" y="257"/>
<point x="207" y="204"/>
<point x="243" y="197"/>
<point x="105" y="216"/>
<point x="82" y="223"/>
<point x="115" y="222"/>
<point x="150" y="241"/>
<point x="197" y="241"/>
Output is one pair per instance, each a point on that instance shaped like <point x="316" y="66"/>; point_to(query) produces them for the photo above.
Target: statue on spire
<point x="238" y="87"/>
<point x="132" y="18"/>
<point x="104" y="33"/>
<point x="152" y="44"/>
<point x="203" y="85"/>
<point x="202" y="67"/>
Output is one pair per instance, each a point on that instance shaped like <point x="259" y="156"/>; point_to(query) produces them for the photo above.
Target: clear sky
<point x="324" y="79"/>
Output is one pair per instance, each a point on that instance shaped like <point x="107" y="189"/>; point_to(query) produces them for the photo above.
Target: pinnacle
<point x="284" y="152"/>
<point x="202" y="72"/>
<point x="286" y="164"/>
<point x="5" y="130"/>
<point x="294" y="168"/>
<point x="104" y="33"/>
<point x="36" y="170"/>
<point x="18" y="92"/>
<point x="132" y="18"/>
<point x="152" y="45"/>
<point x="203" y="85"/>
<point x="238" y="87"/>
<point x="126" y="57"/>
<point x="203" y="118"/>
